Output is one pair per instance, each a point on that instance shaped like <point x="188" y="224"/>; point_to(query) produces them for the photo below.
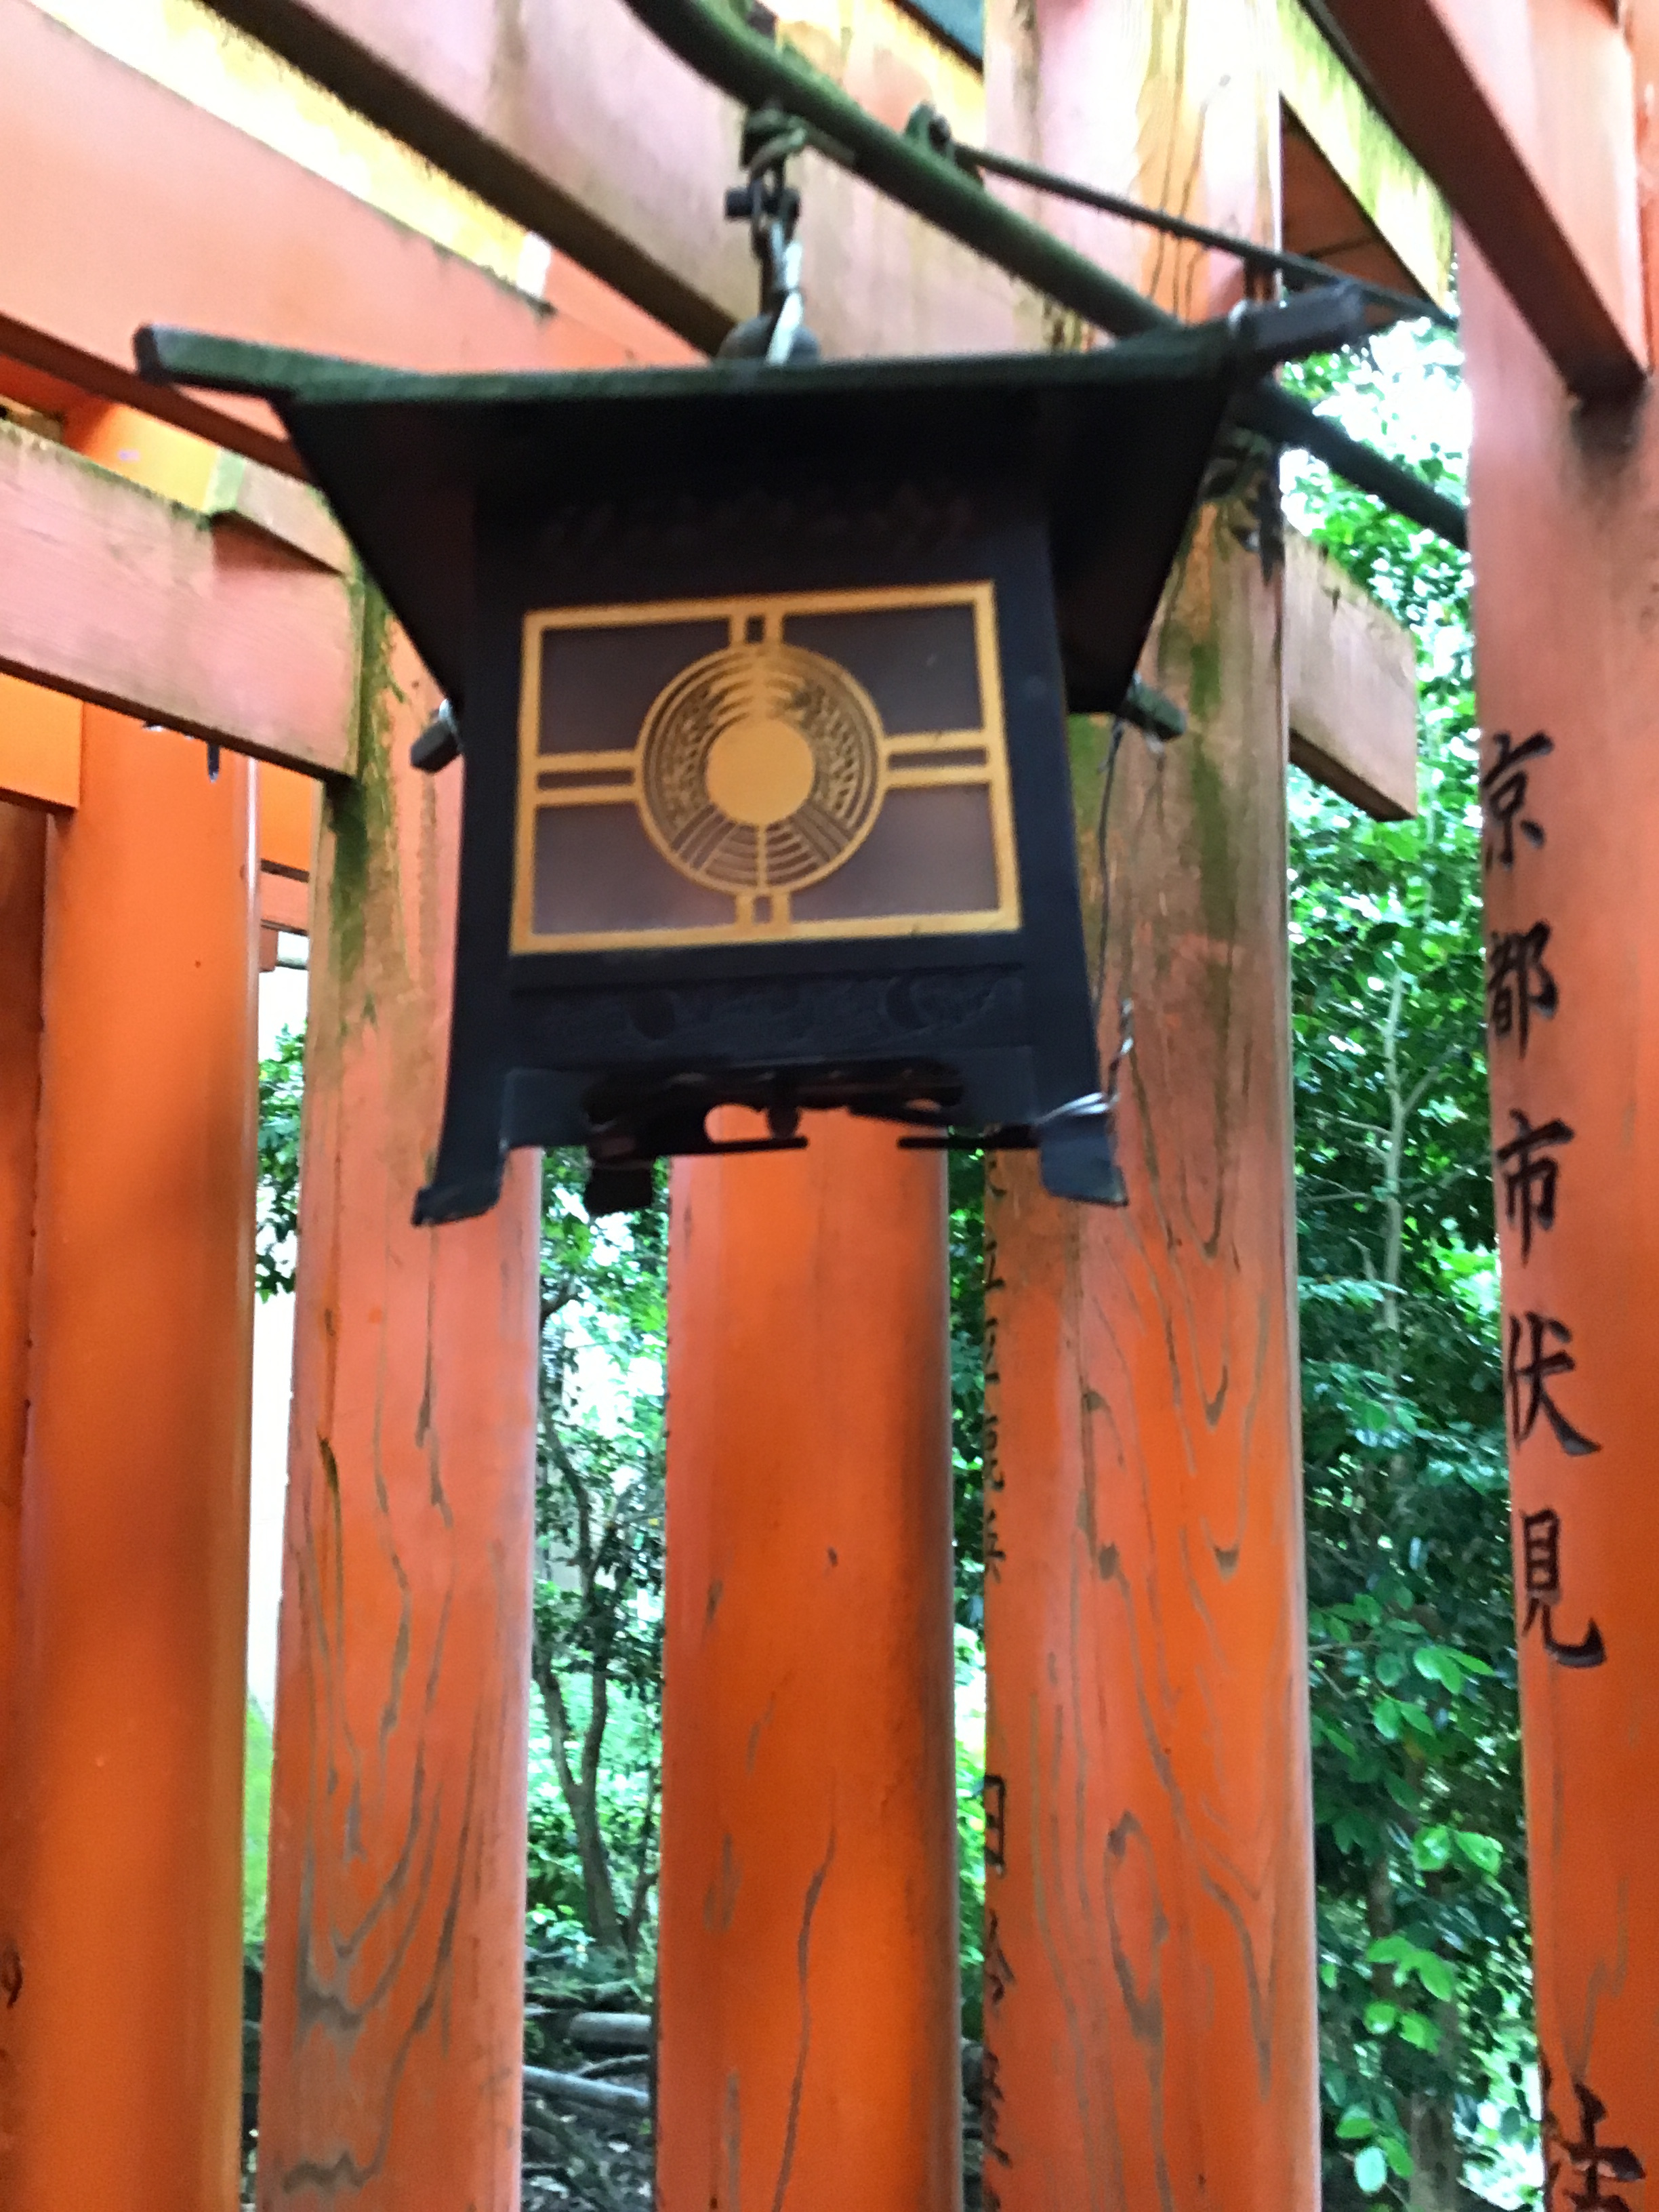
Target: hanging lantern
<point x="762" y="676"/>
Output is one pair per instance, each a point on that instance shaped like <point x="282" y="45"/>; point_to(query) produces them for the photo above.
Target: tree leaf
<point x="1370" y="2169"/>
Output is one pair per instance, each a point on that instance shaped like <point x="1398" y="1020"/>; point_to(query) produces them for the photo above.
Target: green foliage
<point x="971" y="1823"/>
<point x="1420" y="1847"/>
<point x="281" y="1080"/>
<point x="599" y="1544"/>
<point x="967" y="1233"/>
<point x="256" y="1825"/>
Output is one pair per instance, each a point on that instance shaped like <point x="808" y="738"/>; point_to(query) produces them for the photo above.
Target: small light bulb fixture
<point x="761" y="676"/>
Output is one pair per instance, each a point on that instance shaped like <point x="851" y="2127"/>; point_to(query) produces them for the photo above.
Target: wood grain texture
<point x="289" y="514"/>
<point x="22" y="895"/>
<point x="129" y="600"/>
<point x="393" y="1983"/>
<point x="574" y="120"/>
<point x="1150" y="2019"/>
<point x="807" y="1938"/>
<point x="141" y="208"/>
<point x="1350" y="686"/>
<point x="1565" y="532"/>
<point x="123" y="1794"/>
<point x="1524" y="114"/>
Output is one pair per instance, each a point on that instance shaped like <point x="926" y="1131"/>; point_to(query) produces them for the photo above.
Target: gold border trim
<point x="905" y="761"/>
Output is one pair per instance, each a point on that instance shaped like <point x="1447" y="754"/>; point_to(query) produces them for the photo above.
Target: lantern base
<point x="627" y="1124"/>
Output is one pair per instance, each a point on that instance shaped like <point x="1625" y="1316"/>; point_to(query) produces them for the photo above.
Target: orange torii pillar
<point x="393" y="2031"/>
<point x="807" y="1948"/>
<point x="22" y="894"/>
<point x="121" y="1844"/>
<point x="1151" y="2022"/>
<point x="1567" y="561"/>
<point x="124" y="1780"/>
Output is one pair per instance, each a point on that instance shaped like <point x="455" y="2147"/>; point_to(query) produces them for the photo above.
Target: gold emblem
<point x="721" y="803"/>
<point x="761" y="768"/>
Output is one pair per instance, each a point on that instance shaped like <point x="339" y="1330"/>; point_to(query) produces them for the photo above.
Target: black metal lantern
<point x="762" y="677"/>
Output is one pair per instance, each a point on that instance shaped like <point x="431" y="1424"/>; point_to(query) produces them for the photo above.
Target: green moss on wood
<point x="361" y="815"/>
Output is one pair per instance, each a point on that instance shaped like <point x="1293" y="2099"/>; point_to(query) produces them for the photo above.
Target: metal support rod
<point x="1299" y="270"/>
<point x="712" y="40"/>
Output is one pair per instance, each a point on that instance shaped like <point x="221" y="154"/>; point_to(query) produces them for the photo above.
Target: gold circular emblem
<point x="761" y="768"/>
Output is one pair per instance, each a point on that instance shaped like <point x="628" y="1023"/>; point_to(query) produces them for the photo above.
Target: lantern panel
<point x="763" y="769"/>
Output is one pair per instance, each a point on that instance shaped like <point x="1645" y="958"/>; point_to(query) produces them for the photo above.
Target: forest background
<point x="1428" y="2064"/>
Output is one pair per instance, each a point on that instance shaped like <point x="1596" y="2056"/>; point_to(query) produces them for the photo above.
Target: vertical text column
<point x="1565" y="529"/>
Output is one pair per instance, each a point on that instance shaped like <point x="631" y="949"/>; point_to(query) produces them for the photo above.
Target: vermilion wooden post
<point x="808" y="1912"/>
<point x="125" y="1772"/>
<point x="1562" y="509"/>
<point x="1150" y="2019"/>
<point x="393" y="2004"/>
<point x="22" y="892"/>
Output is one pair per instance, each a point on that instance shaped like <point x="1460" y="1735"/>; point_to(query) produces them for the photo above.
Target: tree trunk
<point x="1436" y="2162"/>
<point x="580" y="1795"/>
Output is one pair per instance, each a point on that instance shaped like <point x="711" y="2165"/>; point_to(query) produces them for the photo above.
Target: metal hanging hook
<point x="770" y="205"/>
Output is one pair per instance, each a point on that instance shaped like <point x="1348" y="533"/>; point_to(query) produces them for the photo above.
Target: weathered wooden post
<point x="1563" y="500"/>
<point x="22" y="895"/>
<point x="123" y="1779"/>
<point x="1151" y="2018"/>
<point x="808" y="1944"/>
<point x="394" y="2009"/>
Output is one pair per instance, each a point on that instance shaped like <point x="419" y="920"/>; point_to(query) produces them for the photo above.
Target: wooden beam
<point x="1523" y="111"/>
<point x="1350" y="686"/>
<point x="284" y="901"/>
<point x="120" y="597"/>
<point x="1329" y="119"/>
<point x="142" y="208"/>
<point x="272" y="505"/>
<point x="572" y="118"/>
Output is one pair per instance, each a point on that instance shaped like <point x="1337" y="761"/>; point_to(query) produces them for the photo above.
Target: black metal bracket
<point x="439" y="743"/>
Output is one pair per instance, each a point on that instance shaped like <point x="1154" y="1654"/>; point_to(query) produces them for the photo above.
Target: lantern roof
<point x="1112" y="444"/>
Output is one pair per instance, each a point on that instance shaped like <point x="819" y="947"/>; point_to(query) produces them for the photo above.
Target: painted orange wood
<point x="1350" y="686"/>
<point x="1562" y="517"/>
<point x="287" y="819"/>
<point x="142" y="208"/>
<point x="39" y="745"/>
<point x="22" y="893"/>
<point x="124" y="1788"/>
<point x="129" y="443"/>
<point x="123" y="596"/>
<point x="285" y="903"/>
<point x="808" y="1897"/>
<point x="1151" y="2020"/>
<point x="394" y="2009"/>
<point x="1525" y="116"/>
<point x="529" y="108"/>
<point x="274" y="505"/>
